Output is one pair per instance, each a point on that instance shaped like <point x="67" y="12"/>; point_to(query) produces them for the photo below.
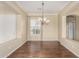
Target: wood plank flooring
<point x="48" y="49"/>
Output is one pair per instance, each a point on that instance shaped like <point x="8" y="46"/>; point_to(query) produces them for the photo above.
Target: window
<point x="35" y="27"/>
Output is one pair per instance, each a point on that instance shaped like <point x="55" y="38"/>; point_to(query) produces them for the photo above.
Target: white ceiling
<point x="35" y="7"/>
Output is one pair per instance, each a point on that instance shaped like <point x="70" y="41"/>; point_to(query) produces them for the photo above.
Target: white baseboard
<point x="14" y="50"/>
<point x="43" y="40"/>
<point x="22" y="44"/>
<point x="70" y="50"/>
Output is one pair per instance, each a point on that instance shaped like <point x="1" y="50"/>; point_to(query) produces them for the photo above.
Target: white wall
<point x="11" y="44"/>
<point x="72" y="45"/>
<point x="8" y="47"/>
<point x="50" y="30"/>
<point x="77" y="28"/>
<point x="7" y="27"/>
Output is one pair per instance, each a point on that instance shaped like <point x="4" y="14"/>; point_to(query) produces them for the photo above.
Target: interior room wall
<point x="77" y="27"/>
<point x="71" y="45"/>
<point x="50" y="30"/>
<point x="7" y="47"/>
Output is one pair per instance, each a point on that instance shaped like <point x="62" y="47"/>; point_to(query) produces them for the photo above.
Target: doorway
<point x="71" y="25"/>
<point x="34" y="29"/>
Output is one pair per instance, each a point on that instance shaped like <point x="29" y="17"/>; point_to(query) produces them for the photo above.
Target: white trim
<point x="39" y="14"/>
<point x="16" y="7"/>
<point x="43" y="40"/>
<point x="14" y="50"/>
<point x="70" y="50"/>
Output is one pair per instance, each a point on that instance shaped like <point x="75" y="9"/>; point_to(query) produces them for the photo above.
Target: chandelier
<point x="43" y="19"/>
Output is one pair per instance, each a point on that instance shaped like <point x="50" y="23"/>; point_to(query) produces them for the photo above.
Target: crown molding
<point x="16" y="7"/>
<point x="69" y="7"/>
<point x="39" y="14"/>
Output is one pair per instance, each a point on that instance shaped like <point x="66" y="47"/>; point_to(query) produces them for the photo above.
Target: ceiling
<point x="35" y="7"/>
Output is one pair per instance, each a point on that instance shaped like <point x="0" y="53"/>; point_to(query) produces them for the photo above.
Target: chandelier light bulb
<point x="47" y="21"/>
<point x="44" y="20"/>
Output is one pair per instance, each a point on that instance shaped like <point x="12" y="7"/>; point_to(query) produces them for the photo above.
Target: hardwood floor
<point x="47" y="49"/>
